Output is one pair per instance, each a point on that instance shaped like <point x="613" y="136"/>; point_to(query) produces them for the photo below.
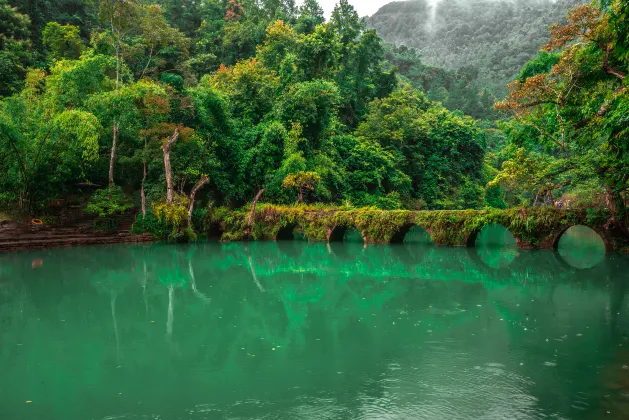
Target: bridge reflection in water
<point x="254" y="330"/>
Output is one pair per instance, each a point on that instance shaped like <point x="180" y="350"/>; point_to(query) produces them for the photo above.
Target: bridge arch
<point x="581" y="247"/>
<point x="494" y="246"/>
<point x="342" y="233"/>
<point x="412" y="234"/>
<point x="559" y="233"/>
<point x="286" y="232"/>
<point x="492" y="235"/>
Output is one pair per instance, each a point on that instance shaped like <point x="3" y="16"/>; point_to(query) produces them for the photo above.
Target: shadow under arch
<point x="346" y="234"/>
<point x="410" y="255"/>
<point x="495" y="247"/>
<point x="286" y="232"/>
<point x="491" y="234"/>
<point x="412" y="234"/>
<point x="582" y="229"/>
<point x="337" y="234"/>
<point x="292" y="249"/>
<point x="494" y="260"/>
<point x="580" y="247"/>
<point x="346" y="242"/>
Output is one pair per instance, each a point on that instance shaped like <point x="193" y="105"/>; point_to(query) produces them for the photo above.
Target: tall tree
<point x="121" y="17"/>
<point x="572" y="111"/>
<point x="14" y="48"/>
<point x="310" y="16"/>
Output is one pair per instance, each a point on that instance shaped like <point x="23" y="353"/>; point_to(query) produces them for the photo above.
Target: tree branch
<point x="608" y="69"/>
<point x="204" y="180"/>
<point x="253" y="207"/>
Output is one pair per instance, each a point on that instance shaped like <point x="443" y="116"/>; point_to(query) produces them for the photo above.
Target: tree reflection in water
<point x="403" y="314"/>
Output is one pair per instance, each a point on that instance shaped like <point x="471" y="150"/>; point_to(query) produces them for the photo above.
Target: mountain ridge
<point x="496" y="37"/>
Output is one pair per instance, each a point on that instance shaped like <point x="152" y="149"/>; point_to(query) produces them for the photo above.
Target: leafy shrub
<point x="173" y="80"/>
<point x="151" y="225"/>
<point x="391" y="201"/>
<point x="108" y="202"/>
<point x="175" y="216"/>
<point x="493" y="197"/>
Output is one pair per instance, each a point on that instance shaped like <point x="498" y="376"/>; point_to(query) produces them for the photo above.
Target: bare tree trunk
<point x="170" y="195"/>
<point x="143" y="194"/>
<point x="113" y="153"/>
<point x="114" y="141"/>
<point x="616" y="206"/>
<point x="301" y="195"/>
<point x="204" y="180"/>
<point x="252" y="213"/>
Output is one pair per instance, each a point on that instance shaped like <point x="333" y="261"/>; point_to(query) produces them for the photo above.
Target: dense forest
<point x="161" y="104"/>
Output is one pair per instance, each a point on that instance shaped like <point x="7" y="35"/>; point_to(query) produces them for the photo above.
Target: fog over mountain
<point x="495" y="37"/>
<point x="363" y="7"/>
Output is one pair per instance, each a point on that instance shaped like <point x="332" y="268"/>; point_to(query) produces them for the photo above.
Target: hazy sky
<point x="364" y="7"/>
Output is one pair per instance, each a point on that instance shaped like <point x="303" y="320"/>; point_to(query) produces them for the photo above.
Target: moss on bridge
<point x="532" y="227"/>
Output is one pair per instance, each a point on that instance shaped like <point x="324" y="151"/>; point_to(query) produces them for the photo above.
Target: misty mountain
<point x="493" y="37"/>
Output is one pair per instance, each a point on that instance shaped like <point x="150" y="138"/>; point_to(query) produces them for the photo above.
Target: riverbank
<point x="532" y="228"/>
<point x="19" y="237"/>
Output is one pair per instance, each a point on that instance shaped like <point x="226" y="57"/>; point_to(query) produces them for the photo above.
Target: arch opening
<point x="338" y="233"/>
<point x="286" y="232"/>
<point x="346" y="234"/>
<point x="495" y="245"/>
<point x="412" y="235"/>
<point x="580" y="247"/>
<point x="346" y="243"/>
<point x="353" y="236"/>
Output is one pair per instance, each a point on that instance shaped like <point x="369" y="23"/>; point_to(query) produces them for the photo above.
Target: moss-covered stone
<point x="532" y="227"/>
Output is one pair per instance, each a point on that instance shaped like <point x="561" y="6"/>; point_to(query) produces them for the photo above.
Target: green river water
<point x="292" y="330"/>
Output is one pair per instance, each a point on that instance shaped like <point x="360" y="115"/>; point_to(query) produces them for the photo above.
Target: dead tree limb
<point x="170" y="195"/>
<point x="252" y="212"/>
<point x="204" y="180"/>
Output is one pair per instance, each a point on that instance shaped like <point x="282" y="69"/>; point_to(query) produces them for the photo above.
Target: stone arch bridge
<point x="532" y="227"/>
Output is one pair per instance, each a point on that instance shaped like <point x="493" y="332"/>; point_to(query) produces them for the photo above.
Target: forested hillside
<point x="489" y="40"/>
<point x="161" y="104"/>
<point x="256" y="97"/>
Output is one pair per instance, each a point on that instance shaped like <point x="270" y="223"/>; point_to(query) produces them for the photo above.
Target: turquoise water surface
<point x="292" y="330"/>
